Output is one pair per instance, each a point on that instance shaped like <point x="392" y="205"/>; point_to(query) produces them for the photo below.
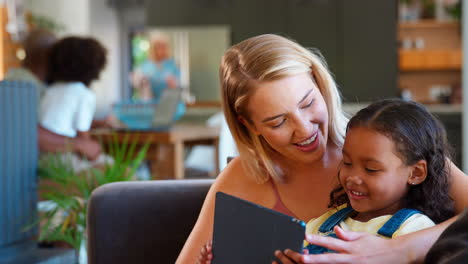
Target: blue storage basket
<point x="135" y="114"/>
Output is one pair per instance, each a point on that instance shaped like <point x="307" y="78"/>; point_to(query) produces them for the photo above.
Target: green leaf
<point x="59" y="170"/>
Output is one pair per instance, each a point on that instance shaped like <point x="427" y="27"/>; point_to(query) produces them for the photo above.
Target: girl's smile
<point x="355" y="195"/>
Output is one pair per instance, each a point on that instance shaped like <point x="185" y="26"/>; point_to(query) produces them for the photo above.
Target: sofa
<point x="142" y="221"/>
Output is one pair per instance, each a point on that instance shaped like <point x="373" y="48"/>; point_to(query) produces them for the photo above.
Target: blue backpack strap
<point x="392" y="225"/>
<point x="335" y="219"/>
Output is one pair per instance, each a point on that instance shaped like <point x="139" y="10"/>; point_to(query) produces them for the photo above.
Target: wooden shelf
<point x="8" y="47"/>
<point x="428" y="23"/>
<point x="430" y="60"/>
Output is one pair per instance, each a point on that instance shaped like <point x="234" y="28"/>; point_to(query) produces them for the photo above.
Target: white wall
<point x="74" y="15"/>
<point x="89" y="18"/>
<point x="105" y="28"/>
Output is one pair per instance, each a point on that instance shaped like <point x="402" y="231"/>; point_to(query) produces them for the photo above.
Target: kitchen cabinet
<point x="357" y="38"/>
<point x="430" y="59"/>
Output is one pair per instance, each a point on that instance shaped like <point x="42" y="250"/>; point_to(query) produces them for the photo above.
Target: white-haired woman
<point x="284" y="112"/>
<point x="159" y="72"/>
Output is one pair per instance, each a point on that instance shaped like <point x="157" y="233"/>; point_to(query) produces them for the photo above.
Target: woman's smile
<point x="309" y="144"/>
<point x="291" y="115"/>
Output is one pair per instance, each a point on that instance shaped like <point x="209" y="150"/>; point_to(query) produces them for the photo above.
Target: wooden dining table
<point x="166" y="150"/>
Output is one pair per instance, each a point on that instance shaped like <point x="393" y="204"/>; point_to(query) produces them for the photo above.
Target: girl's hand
<point x="206" y="254"/>
<point x="289" y="256"/>
<point x="355" y="247"/>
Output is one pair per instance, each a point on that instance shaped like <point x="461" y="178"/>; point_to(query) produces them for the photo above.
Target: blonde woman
<point x="284" y="111"/>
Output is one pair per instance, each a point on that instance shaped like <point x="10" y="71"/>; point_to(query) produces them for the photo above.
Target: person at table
<point x="159" y="72"/>
<point x="68" y="105"/>
<point x="34" y="69"/>
<point x="284" y="112"/>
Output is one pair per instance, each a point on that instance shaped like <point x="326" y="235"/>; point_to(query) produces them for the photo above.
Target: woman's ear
<point x="418" y="173"/>
<point x="248" y="124"/>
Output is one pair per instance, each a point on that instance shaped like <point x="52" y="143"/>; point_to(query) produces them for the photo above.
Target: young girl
<point x="394" y="175"/>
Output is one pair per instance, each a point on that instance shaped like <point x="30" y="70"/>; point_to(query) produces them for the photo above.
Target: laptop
<point x="165" y="110"/>
<point x="245" y="232"/>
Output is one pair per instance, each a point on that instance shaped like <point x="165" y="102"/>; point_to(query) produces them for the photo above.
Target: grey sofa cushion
<point x="452" y="245"/>
<point x="143" y="222"/>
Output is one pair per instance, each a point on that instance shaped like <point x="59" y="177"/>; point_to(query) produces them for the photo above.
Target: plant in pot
<point x="69" y="192"/>
<point x="454" y="9"/>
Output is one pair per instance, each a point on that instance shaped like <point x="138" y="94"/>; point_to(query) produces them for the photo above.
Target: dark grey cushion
<point x="143" y="222"/>
<point x="452" y="245"/>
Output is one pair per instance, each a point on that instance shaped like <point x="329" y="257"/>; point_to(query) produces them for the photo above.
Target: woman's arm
<point x="232" y="180"/>
<point x="201" y="232"/>
<point x="355" y="247"/>
<point x="366" y="248"/>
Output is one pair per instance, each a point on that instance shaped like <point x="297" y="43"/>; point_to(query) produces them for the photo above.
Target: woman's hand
<point x="206" y="254"/>
<point x="141" y="83"/>
<point x="171" y="82"/>
<point x="354" y="247"/>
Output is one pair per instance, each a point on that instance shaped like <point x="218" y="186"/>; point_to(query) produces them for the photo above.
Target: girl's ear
<point x="248" y="124"/>
<point x="418" y="173"/>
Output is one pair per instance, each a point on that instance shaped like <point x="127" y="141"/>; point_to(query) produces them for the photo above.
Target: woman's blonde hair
<point x="269" y="58"/>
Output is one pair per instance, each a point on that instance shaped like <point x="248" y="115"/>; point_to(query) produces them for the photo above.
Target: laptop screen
<point x="166" y="108"/>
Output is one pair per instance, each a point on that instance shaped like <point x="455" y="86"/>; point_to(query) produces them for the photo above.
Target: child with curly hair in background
<point x="68" y="105"/>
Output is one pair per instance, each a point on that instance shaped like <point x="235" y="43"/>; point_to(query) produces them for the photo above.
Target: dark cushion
<point x="452" y="245"/>
<point x="143" y="222"/>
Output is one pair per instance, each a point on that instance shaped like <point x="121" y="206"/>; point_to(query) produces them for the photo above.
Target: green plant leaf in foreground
<point x="71" y="191"/>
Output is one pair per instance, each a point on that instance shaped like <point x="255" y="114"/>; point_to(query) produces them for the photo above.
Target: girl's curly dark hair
<point x="76" y="59"/>
<point x="417" y="135"/>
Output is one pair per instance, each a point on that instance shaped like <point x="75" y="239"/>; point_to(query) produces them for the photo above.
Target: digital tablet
<point x="245" y="232"/>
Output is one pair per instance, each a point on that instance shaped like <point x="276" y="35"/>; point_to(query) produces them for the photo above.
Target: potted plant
<point x="454" y="9"/>
<point x="69" y="194"/>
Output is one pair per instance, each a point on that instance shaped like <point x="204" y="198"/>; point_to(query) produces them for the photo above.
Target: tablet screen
<point x="245" y="232"/>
